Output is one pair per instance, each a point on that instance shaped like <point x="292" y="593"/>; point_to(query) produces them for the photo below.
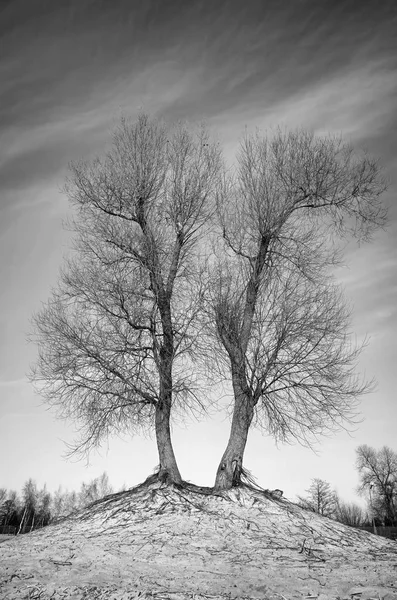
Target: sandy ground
<point x="4" y="538"/>
<point x="156" y="542"/>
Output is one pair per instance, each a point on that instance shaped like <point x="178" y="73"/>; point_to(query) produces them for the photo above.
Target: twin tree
<point x="185" y="273"/>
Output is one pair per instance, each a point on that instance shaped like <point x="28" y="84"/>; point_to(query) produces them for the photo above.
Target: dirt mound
<point x="165" y="542"/>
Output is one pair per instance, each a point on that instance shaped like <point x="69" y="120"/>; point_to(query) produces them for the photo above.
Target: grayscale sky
<point x="69" y="70"/>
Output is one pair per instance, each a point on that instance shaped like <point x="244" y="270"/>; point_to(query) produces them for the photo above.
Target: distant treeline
<point x="35" y="508"/>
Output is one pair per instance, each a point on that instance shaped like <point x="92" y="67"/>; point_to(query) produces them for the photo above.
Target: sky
<point x="68" y="72"/>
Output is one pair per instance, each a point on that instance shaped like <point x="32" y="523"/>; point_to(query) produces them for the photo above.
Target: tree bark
<point x="169" y="472"/>
<point x="390" y="512"/>
<point x="230" y="468"/>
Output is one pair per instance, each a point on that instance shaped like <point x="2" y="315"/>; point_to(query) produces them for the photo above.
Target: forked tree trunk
<point x="230" y="468"/>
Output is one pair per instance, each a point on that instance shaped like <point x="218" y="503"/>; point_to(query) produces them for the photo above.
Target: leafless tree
<point x="3" y="505"/>
<point x="43" y="508"/>
<point x="57" y="504"/>
<point x="115" y="337"/>
<point x="320" y="498"/>
<point x="104" y="486"/>
<point x="70" y="502"/>
<point x="378" y="480"/>
<point x="349" y="513"/>
<point x="281" y="322"/>
<point x="94" y="490"/>
<point x="29" y="505"/>
<point x="9" y="509"/>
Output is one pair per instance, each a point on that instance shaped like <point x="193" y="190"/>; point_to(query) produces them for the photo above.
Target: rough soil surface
<point x="168" y="543"/>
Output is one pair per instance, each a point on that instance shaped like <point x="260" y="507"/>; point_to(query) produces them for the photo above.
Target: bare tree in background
<point x="281" y="323"/>
<point x="349" y="513"/>
<point x="3" y="505"/>
<point x="378" y="479"/>
<point x="115" y="337"/>
<point x="94" y="490"/>
<point x="9" y="509"/>
<point x="320" y="498"/>
<point x="64" y="503"/>
<point x="104" y="486"/>
<point x="43" y="507"/>
<point x="30" y="496"/>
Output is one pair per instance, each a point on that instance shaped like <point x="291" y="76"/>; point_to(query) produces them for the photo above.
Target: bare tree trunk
<point x="390" y="512"/>
<point x="169" y="472"/>
<point x="22" y="521"/>
<point x="229" y="470"/>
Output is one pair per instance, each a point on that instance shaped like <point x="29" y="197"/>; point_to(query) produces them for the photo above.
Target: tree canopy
<point x="378" y="480"/>
<point x="183" y="267"/>
<point x="281" y="324"/>
<point x="114" y="338"/>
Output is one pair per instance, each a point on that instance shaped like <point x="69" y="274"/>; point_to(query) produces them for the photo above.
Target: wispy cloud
<point x="67" y="72"/>
<point x="69" y="69"/>
<point x="357" y="102"/>
<point x="371" y="283"/>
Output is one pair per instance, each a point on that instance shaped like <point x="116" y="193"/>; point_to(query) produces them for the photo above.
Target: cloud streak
<point x="69" y="69"/>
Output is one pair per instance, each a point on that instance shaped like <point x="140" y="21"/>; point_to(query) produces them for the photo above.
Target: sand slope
<point x="163" y="542"/>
